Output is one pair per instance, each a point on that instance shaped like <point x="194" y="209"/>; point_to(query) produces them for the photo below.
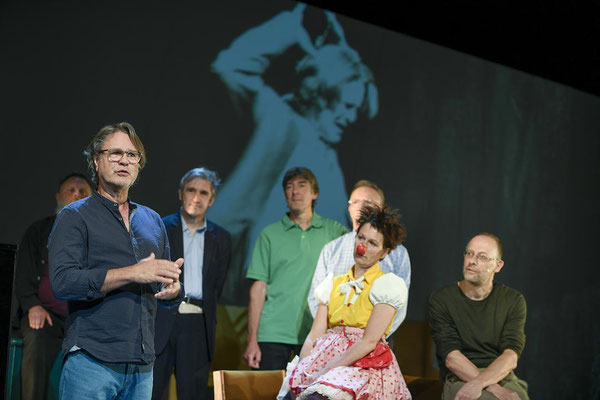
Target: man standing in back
<point x="282" y="266"/>
<point x="43" y="320"/>
<point x="185" y="336"/>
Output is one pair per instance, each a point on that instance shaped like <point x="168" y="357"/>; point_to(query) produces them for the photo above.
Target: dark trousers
<point x="187" y="354"/>
<point x="276" y="355"/>
<point x="40" y="348"/>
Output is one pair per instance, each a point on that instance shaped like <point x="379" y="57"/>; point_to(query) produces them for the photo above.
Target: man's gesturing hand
<point x="169" y="292"/>
<point x="150" y="270"/>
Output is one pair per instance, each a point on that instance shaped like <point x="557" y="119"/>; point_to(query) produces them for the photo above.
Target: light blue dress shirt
<point x="193" y="254"/>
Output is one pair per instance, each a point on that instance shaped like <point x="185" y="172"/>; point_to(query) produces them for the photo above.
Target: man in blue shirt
<point x="337" y="256"/>
<point x="185" y="337"/>
<point x="109" y="257"/>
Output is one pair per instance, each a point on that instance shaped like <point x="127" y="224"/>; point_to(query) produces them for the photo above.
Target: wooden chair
<point x="412" y="345"/>
<point x="241" y="385"/>
<point x="414" y="350"/>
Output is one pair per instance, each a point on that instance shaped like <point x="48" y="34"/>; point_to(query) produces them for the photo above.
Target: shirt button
<point x="349" y="304"/>
<point x="341" y="321"/>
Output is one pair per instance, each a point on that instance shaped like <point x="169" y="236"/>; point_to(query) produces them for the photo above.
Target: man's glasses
<point x="479" y="256"/>
<point x="360" y="203"/>
<point x="115" y="155"/>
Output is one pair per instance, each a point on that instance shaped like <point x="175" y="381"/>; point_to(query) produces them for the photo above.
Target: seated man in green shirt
<point x="478" y="328"/>
<point x="282" y="267"/>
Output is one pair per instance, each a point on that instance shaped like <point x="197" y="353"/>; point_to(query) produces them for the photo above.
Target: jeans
<point x="84" y="377"/>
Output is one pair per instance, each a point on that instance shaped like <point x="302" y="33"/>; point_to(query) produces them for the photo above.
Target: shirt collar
<point x="111" y="204"/>
<point x="369" y="275"/>
<point x="315" y="222"/>
<point x="185" y="228"/>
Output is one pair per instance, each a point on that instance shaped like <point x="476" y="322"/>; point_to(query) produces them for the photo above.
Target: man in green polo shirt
<point x="478" y="328"/>
<point x="282" y="266"/>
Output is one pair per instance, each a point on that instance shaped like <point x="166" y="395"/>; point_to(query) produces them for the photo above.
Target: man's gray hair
<point x="93" y="148"/>
<point x="204" y="173"/>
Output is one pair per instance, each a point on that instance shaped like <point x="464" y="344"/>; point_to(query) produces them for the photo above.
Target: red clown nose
<point x="361" y="249"/>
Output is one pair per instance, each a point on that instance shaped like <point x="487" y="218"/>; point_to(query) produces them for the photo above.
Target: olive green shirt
<point x="481" y="330"/>
<point x="285" y="258"/>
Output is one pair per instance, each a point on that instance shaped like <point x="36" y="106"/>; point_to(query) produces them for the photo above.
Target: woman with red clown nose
<point x="345" y="355"/>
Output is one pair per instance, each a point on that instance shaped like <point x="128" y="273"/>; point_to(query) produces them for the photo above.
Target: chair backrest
<point x="414" y="349"/>
<point x="255" y="385"/>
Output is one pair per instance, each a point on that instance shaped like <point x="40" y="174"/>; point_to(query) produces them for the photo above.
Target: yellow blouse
<point x="350" y="302"/>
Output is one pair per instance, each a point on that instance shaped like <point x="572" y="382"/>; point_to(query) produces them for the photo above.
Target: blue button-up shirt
<point x="89" y="238"/>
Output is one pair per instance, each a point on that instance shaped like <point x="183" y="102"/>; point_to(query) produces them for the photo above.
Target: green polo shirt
<point x="285" y="258"/>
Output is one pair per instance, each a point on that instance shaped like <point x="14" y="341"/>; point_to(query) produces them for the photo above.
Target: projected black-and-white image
<point x="458" y="145"/>
<point x="329" y="87"/>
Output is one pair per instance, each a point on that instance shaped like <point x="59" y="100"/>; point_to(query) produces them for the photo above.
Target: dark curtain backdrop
<point x="460" y="145"/>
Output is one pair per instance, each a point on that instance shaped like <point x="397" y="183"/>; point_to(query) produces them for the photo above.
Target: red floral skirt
<point x="346" y="382"/>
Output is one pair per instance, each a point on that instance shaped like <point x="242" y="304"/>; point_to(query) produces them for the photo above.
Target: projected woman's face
<point x="333" y="119"/>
